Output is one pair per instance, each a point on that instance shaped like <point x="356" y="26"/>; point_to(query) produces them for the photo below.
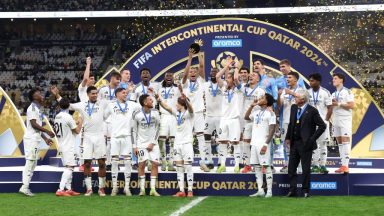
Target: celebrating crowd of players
<point x="249" y="112"/>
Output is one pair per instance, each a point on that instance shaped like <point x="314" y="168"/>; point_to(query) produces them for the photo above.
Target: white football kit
<point x="183" y="147"/>
<point x="93" y="118"/>
<point x="64" y="124"/>
<point x="250" y="94"/>
<point x="230" y="120"/>
<point x="321" y="100"/>
<point x="213" y="100"/>
<point x="167" y="122"/>
<point x="32" y="137"/>
<point x="146" y="131"/>
<point x="261" y="120"/>
<point x="121" y="117"/>
<point x="195" y="92"/>
<point x="141" y="89"/>
<point x="342" y="118"/>
<point x="82" y="92"/>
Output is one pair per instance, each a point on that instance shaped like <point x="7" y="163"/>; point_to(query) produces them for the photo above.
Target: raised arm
<point x="249" y="110"/>
<point x="163" y="103"/>
<point x="86" y="72"/>
<point x="188" y="66"/>
<point x="79" y="126"/>
<point x="201" y="66"/>
<point x="236" y="75"/>
<point x="223" y="71"/>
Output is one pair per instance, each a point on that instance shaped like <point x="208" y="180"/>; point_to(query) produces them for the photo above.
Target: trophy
<point x="196" y="45"/>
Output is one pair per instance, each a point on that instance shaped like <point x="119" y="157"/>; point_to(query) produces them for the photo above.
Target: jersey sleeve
<point x="350" y="96"/>
<point x="75" y="106"/>
<point x="71" y="123"/>
<point x="33" y="113"/>
<point x="272" y="119"/>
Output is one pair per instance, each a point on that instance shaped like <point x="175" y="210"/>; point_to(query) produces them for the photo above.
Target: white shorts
<point x="94" y="147"/>
<point x="326" y="135"/>
<point x="229" y="130"/>
<point x="198" y="122"/>
<point x="342" y="127"/>
<point x="167" y="125"/>
<point x="121" y="146"/>
<point x="247" y="130"/>
<point x="259" y="159"/>
<point x="31" y="149"/>
<point x="183" y="152"/>
<point x="68" y="156"/>
<point x="212" y="123"/>
<point x="144" y="155"/>
<point x="284" y="131"/>
<point x="107" y="129"/>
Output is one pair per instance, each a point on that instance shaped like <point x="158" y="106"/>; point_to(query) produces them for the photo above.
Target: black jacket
<point x="312" y="126"/>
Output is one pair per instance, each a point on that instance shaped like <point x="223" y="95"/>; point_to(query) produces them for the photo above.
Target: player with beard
<point x="230" y="120"/>
<point x="268" y="83"/>
<point x="252" y="91"/>
<point x="145" y="131"/>
<point x="145" y="86"/>
<point x="108" y="93"/>
<point x="92" y="112"/>
<point x="213" y="99"/>
<point x="193" y="87"/>
<point x="169" y="93"/>
<point x="285" y="101"/>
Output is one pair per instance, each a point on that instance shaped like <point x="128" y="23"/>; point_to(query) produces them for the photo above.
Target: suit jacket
<point x="312" y="126"/>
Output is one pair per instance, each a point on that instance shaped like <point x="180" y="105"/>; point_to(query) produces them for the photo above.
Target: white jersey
<point x="184" y="128"/>
<point x="169" y="96"/>
<point x="121" y="116"/>
<point x="213" y="99"/>
<point x="195" y="92"/>
<point x="250" y="94"/>
<point x="262" y="119"/>
<point x="231" y="103"/>
<point x="64" y="124"/>
<point x="287" y="101"/>
<point x="33" y="112"/>
<point x="106" y="93"/>
<point x="141" y="89"/>
<point x="320" y="100"/>
<point x="92" y="115"/>
<point x="82" y="92"/>
<point x="146" y="127"/>
<point x="343" y="96"/>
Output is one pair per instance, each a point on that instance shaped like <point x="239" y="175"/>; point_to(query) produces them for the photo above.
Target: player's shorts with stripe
<point x="153" y="155"/>
<point x="259" y="159"/>
<point x="94" y="146"/>
<point x="229" y="130"/>
<point x="121" y="146"/>
<point x="167" y="125"/>
<point x="212" y="123"/>
<point x="183" y="152"/>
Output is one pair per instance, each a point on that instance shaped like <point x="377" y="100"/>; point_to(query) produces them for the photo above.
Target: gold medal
<point x="191" y="94"/>
<point x="298" y="122"/>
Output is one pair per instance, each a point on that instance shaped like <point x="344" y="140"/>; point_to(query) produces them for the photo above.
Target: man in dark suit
<point x="305" y="127"/>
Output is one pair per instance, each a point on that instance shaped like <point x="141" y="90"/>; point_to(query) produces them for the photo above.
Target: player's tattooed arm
<point x="271" y="132"/>
<point x="188" y="66"/>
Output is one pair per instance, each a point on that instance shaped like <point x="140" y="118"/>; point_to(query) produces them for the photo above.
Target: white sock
<point x="127" y="173"/>
<point x="109" y="158"/>
<point x="101" y="182"/>
<point x="64" y="178"/>
<point x="342" y="154"/>
<point x="142" y="182"/>
<point x="29" y="168"/>
<point x="180" y="177"/>
<point x="259" y="177"/>
<point x="115" y="171"/>
<point x="237" y="154"/>
<point x="323" y="151"/>
<point x="223" y="153"/>
<point x="88" y="182"/>
<point x="162" y="148"/>
<point x="68" y="184"/>
<point x="202" y="147"/>
<point x="171" y="145"/>
<point x="153" y="182"/>
<point x="209" y="151"/>
<point x="188" y="169"/>
<point x="247" y="153"/>
<point x="347" y="152"/>
<point x="316" y="155"/>
<point x="269" y="177"/>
